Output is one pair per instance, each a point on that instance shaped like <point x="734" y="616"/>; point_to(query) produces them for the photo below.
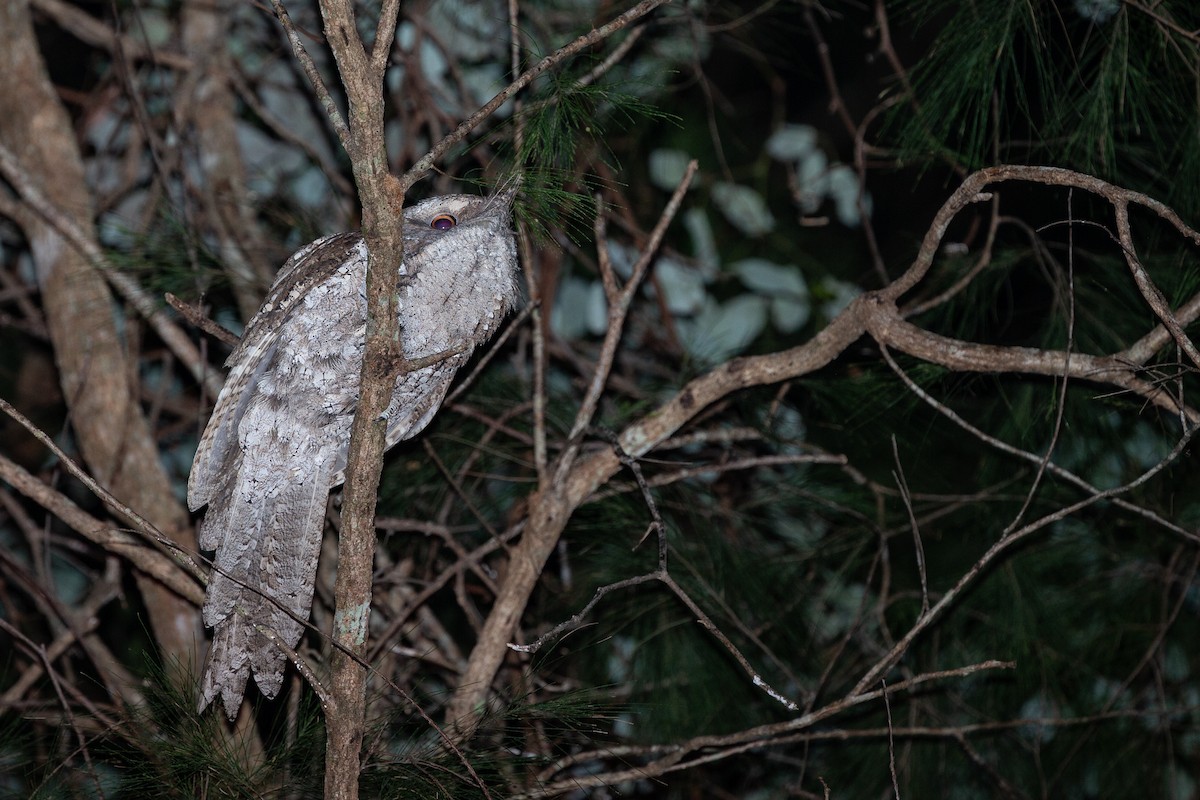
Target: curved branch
<point x="890" y="329"/>
<point x="551" y="507"/>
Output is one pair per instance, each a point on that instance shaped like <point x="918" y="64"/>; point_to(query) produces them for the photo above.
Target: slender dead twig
<point x="197" y="318"/>
<point x="334" y="115"/>
<point x="619" y="301"/>
<point x="1150" y="292"/>
<point x="1004" y="544"/>
<point x="168" y="331"/>
<point x="20" y="479"/>
<point x="701" y="750"/>
<point x="902" y="482"/>
<point x="598" y="34"/>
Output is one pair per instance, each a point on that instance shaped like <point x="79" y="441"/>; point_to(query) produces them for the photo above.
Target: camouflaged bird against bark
<point x="277" y="439"/>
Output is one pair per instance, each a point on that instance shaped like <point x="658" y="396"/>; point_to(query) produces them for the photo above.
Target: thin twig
<point x="199" y="319"/>
<point x="916" y="529"/>
<point x="435" y="154"/>
<point x="314" y="75"/>
<point x="1001" y="546"/>
<point x="618" y="310"/>
<point x="493" y="348"/>
<point x="708" y="749"/>
<point x="1025" y="455"/>
<point x="1061" y="409"/>
<point x="91" y="30"/>
<point x="891" y="739"/>
<point x="172" y="336"/>
<point x="1150" y="292"/>
<point x="148" y="530"/>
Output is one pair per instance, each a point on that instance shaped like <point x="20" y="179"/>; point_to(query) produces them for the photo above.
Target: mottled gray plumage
<point x="278" y="436"/>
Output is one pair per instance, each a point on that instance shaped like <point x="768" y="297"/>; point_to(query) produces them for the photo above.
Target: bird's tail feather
<point x="267" y="534"/>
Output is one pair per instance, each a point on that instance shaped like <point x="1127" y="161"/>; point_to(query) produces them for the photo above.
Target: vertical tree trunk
<point x="382" y="199"/>
<point x="107" y="421"/>
<point x="209" y="111"/>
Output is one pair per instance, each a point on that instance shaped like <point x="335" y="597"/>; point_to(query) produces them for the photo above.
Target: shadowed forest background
<point x="853" y="461"/>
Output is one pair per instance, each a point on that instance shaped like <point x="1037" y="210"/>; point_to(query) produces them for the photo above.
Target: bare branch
<point x="167" y="330"/>
<point x="313" y="74"/>
<point x="427" y="162"/>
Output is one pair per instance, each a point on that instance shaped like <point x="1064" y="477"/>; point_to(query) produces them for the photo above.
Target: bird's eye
<point x="443" y="222"/>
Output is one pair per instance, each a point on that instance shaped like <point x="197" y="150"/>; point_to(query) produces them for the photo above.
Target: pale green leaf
<point x="596" y="309"/>
<point x="766" y="277"/>
<point x="667" y="168"/>
<point x="704" y="244"/>
<point x="724" y="330"/>
<point x="682" y="287"/>
<point x="790" y="314"/>
<point x="792" y="142"/>
<point x="744" y="208"/>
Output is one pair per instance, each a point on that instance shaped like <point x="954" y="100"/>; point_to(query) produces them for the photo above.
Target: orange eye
<point x="443" y="222"/>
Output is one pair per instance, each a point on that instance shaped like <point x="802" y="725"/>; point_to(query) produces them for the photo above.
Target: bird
<point x="277" y="441"/>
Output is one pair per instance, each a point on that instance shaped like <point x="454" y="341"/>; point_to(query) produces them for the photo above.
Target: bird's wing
<point x="309" y="266"/>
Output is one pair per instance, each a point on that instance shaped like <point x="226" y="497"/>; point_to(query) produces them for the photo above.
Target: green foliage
<point x="166" y="750"/>
<point x="167" y="258"/>
<point x="1022" y="82"/>
<point x="811" y="569"/>
<point x="566" y="114"/>
<point x="182" y="754"/>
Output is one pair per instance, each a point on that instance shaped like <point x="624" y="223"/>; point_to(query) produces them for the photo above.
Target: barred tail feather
<point x="268" y="535"/>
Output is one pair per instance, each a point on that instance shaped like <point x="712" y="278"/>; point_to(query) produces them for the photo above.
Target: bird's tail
<point x="266" y="528"/>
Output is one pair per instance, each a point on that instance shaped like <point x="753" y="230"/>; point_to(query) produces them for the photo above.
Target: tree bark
<point x="109" y="426"/>
<point x="383" y="228"/>
<point x="208" y="109"/>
